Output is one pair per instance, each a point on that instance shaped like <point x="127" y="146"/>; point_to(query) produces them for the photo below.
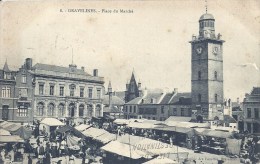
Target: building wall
<point x="24" y="83"/>
<point x="251" y="122"/>
<point x="91" y="106"/>
<point x="9" y="102"/>
<point x="180" y="110"/>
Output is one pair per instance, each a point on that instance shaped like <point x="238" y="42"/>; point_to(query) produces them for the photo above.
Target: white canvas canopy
<point x="123" y="150"/>
<point x="52" y="122"/>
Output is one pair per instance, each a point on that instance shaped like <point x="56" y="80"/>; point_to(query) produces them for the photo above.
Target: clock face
<point x="199" y="50"/>
<point x="215" y="50"/>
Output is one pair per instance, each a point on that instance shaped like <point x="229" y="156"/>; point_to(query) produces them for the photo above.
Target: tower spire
<point x="72" y="55"/>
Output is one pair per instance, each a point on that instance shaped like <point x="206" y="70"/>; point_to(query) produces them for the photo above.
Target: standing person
<point x="3" y="155"/>
<point x="47" y="159"/>
<point x="171" y="141"/>
<point x="29" y="159"/>
<point x="193" y="142"/>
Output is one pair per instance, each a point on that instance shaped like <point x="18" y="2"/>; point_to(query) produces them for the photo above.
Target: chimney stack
<point x="95" y="72"/>
<point x="83" y="68"/>
<point x="28" y="63"/>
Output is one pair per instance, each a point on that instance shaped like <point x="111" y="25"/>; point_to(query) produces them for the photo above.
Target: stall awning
<point x="7" y="139"/>
<point x="52" y="122"/>
<point x="10" y="126"/>
<point x="93" y="132"/>
<point x="129" y="139"/>
<point x="141" y="125"/>
<point x="174" y="129"/>
<point x="106" y="137"/>
<point x="123" y="150"/>
<point x="215" y="133"/>
<point x="157" y="147"/>
<point x="82" y="127"/>
<point x="4" y="132"/>
<point x="121" y="121"/>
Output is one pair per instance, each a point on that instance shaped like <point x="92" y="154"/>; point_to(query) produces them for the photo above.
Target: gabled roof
<point x="176" y="98"/>
<point x="229" y="119"/>
<point x="166" y="99"/>
<point x="120" y="94"/>
<point x="135" y="101"/>
<point x="152" y="97"/>
<point x="115" y="100"/>
<point x="59" y="69"/>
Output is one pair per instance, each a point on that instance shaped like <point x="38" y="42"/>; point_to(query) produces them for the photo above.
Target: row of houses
<point x="43" y="90"/>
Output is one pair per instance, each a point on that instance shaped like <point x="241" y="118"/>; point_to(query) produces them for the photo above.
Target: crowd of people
<point x="45" y="148"/>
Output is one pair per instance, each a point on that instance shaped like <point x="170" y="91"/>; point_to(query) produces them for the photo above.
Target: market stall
<point x="50" y="124"/>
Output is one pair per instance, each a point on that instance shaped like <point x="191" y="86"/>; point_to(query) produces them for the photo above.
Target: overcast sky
<point x="154" y="40"/>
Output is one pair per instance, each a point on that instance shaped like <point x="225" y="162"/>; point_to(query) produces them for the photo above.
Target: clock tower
<point x="207" y="71"/>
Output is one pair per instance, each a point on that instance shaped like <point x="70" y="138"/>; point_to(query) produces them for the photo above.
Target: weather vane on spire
<point x="72" y="55"/>
<point x="206" y="6"/>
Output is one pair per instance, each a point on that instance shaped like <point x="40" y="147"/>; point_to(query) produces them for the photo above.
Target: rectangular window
<point x="24" y="79"/>
<point x="52" y="90"/>
<point x="182" y="112"/>
<point x="248" y="112"/>
<point x="126" y="109"/>
<point x="41" y="88"/>
<point x="130" y="109"/>
<point x="162" y="109"/>
<point x="134" y="109"/>
<point x="61" y="91"/>
<point x="90" y="94"/>
<point x="81" y="92"/>
<point x="6" y="92"/>
<point x="154" y="118"/>
<point x="22" y="111"/>
<point x="256" y="112"/>
<point x="98" y="93"/>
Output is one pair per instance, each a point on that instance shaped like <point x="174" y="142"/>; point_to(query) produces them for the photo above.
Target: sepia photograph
<point x="131" y="82"/>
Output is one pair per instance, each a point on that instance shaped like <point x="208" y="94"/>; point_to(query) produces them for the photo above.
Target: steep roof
<point x="59" y="69"/>
<point x="6" y="68"/>
<point x="115" y="100"/>
<point x="185" y="95"/>
<point x="166" y="99"/>
<point x="151" y="95"/>
<point x="135" y="101"/>
<point x="120" y="94"/>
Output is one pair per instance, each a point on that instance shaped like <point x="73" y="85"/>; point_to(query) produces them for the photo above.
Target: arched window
<point x="81" y="110"/>
<point x="61" y="110"/>
<point x="72" y="109"/>
<point x="199" y="97"/>
<point x="98" y="110"/>
<point x="216" y="98"/>
<point x="90" y="110"/>
<point x="199" y="75"/>
<point x="40" y="108"/>
<point x="216" y="75"/>
<point x="51" y="109"/>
